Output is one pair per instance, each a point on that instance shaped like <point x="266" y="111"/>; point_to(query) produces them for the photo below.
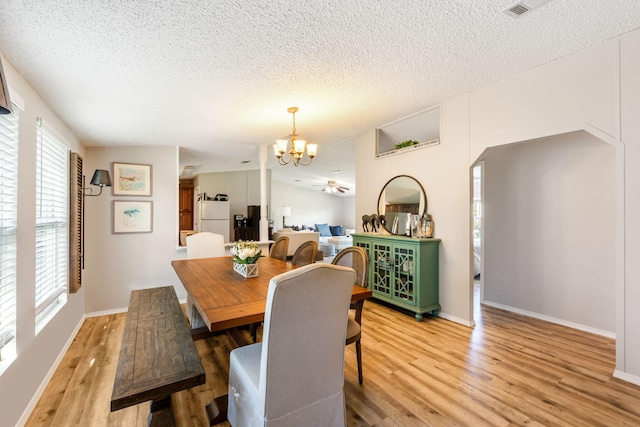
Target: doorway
<point x="185" y="207"/>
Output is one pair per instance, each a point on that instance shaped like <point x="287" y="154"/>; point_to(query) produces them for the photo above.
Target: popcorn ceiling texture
<point x="207" y="74"/>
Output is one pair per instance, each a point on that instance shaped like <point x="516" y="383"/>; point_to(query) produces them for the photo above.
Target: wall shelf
<point x="423" y="126"/>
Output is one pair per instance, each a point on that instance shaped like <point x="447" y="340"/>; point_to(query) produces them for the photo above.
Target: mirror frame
<point x="423" y="199"/>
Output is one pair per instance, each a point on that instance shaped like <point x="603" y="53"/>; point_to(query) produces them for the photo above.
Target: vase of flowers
<point x="245" y="258"/>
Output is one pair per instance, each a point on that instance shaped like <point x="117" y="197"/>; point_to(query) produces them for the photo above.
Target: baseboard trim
<point x="464" y="322"/>
<point x="45" y="381"/>
<point x="107" y="312"/>
<point x="555" y="320"/>
<point x="624" y="376"/>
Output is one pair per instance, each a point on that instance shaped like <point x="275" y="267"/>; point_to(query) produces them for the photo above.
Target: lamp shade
<point x="5" y="102"/>
<point x="101" y="178"/>
<point x="286" y="211"/>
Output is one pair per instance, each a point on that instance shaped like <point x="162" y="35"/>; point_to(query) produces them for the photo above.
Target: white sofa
<point x="296" y="238"/>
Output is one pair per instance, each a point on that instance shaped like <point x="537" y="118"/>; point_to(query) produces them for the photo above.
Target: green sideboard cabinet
<point x="403" y="271"/>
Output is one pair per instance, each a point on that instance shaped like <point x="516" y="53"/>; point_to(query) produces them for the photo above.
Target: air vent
<point x="522" y="7"/>
<point x="517" y="10"/>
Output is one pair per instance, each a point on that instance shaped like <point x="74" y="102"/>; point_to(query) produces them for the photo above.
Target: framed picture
<point x="131" y="179"/>
<point x="135" y="216"/>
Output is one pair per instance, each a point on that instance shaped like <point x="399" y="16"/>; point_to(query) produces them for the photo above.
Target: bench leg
<point x="161" y="414"/>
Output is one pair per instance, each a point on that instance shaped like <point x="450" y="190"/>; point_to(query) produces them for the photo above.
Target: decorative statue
<point x="370" y="220"/>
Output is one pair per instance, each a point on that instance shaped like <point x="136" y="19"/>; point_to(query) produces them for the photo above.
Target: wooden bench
<point x="157" y="357"/>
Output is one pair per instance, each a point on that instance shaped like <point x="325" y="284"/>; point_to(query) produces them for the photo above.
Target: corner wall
<point x="116" y="264"/>
<point x="550" y="213"/>
<point x="36" y="354"/>
<point x="597" y="90"/>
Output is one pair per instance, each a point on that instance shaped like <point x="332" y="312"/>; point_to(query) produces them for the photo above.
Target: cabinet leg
<point x="418" y="317"/>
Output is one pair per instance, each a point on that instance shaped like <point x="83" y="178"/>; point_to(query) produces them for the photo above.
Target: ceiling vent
<point x="522" y="7"/>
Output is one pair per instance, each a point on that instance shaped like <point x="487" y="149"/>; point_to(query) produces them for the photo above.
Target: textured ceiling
<point x="217" y="77"/>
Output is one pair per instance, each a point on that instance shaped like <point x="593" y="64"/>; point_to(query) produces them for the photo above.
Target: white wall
<point x="443" y="172"/>
<point x="549" y="221"/>
<point x="36" y="354"/>
<point x="116" y="264"/>
<point x="309" y="207"/>
<point x="628" y="298"/>
<point x="597" y="91"/>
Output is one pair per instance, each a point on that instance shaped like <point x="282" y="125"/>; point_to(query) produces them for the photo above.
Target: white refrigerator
<point x="214" y="216"/>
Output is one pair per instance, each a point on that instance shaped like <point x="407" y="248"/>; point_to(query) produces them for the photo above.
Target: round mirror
<point x="400" y="198"/>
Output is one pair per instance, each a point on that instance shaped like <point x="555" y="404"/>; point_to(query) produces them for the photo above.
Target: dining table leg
<point x="217" y="409"/>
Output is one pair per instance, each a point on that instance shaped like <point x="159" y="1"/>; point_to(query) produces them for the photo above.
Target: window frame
<point x="9" y="148"/>
<point x="52" y="225"/>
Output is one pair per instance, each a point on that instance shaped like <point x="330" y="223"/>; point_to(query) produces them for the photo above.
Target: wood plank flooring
<point x="508" y="370"/>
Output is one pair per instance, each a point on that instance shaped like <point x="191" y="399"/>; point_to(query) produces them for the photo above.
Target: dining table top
<point x="225" y="299"/>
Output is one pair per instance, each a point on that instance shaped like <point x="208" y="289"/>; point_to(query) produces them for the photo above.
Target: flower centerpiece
<point x="245" y="257"/>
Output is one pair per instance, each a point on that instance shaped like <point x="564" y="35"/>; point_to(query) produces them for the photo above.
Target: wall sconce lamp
<point x="101" y="178"/>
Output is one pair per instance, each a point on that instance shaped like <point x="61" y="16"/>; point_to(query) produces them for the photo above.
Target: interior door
<point x="186" y="208"/>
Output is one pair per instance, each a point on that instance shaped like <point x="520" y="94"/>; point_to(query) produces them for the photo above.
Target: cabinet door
<point x="366" y="245"/>
<point x="381" y="259"/>
<point x="404" y="277"/>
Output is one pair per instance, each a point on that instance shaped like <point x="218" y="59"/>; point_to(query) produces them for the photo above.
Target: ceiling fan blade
<point x="340" y="189"/>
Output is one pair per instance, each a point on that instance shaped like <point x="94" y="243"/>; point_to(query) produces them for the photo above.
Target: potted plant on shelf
<point x="407" y="143"/>
<point x="245" y="258"/>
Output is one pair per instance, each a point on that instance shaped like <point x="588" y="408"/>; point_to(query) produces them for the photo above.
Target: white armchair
<point x="295" y="376"/>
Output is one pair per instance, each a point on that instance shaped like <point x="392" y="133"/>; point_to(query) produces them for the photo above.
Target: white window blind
<point x="8" y="226"/>
<point x="52" y="225"/>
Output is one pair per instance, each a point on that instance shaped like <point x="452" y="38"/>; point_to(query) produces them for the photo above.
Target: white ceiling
<point x="217" y="77"/>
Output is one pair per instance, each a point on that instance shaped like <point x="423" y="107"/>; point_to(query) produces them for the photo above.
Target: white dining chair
<point x="295" y="376"/>
<point x="205" y="245"/>
<point x="202" y="245"/>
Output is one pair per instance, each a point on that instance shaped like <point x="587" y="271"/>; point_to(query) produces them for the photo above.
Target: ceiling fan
<point x="332" y="187"/>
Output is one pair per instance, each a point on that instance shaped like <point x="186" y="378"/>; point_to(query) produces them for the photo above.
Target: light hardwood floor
<point x="508" y="370"/>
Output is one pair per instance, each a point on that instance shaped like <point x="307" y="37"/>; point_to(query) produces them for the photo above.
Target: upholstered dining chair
<point x="280" y="248"/>
<point x="202" y="245"/>
<point x="305" y="254"/>
<point x="295" y="376"/>
<point x="205" y="245"/>
<point x="358" y="259"/>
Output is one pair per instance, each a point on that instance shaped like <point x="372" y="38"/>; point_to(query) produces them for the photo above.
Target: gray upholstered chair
<point x="305" y="254"/>
<point x="358" y="259"/>
<point x="295" y="376"/>
<point x="202" y="245"/>
<point x="280" y="248"/>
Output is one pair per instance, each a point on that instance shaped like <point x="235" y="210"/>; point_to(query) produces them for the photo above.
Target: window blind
<point x="8" y="225"/>
<point x="52" y="218"/>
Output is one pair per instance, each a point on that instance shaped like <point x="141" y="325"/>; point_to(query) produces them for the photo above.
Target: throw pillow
<point x="323" y="229"/>
<point x="336" y="230"/>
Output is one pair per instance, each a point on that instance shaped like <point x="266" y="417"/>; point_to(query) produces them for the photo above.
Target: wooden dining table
<point x="225" y="300"/>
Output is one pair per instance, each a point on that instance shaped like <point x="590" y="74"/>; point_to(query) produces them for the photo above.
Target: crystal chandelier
<point x="297" y="146"/>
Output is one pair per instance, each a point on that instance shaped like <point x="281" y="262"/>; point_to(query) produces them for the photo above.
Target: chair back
<point x="280" y="248"/>
<point x="356" y="258"/>
<point x="205" y="245"/>
<point x="302" y="361"/>
<point x="305" y="254"/>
